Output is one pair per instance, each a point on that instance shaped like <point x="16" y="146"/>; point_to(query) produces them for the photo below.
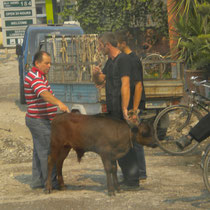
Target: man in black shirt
<point x="116" y="76"/>
<point x="139" y="93"/>
<point x="120" y="88"/>
<point x="137" y="70"/>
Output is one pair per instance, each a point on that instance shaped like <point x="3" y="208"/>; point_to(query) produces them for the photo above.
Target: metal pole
<point x="55" y="12"/>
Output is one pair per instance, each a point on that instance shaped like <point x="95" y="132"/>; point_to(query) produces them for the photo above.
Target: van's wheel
<point x="75" y="111"/>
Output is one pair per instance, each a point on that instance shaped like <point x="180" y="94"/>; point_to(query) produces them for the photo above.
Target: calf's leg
<point x="48" y="185"/>
<point x="108" y="169"/>
<point x="59" y="165"/>
<point x="52" y="157"/>
<point x="114" y="176"/>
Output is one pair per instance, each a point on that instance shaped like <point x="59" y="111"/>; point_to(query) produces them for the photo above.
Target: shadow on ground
<point x="202" y="201"/>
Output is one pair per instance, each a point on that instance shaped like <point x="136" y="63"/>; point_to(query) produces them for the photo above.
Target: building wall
<point x="40" y="11"/>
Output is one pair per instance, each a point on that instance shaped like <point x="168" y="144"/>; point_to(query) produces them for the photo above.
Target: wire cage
<point x="73" y="57"/>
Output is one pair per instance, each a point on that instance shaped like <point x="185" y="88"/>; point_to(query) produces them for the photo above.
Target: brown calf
<point x="108" y="137"/>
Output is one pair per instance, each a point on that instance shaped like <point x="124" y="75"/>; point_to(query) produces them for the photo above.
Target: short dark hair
<point x="39" y="56"/>
<point x="122" y="36"/>
<point x="108" y="37"/>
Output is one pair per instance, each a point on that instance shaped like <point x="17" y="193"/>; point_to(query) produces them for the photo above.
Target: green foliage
<point x="157" y="9"/>
<point x="183" y="7"/>
<point x="204" y="8"/>
<point x="194" y="35"/>
<point x="96" y="16"/>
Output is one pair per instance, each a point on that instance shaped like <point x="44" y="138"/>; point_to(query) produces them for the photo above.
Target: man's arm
<point x="125" y="93"/>
<point x="137" y="95"/>
<point x="47" y="96"/>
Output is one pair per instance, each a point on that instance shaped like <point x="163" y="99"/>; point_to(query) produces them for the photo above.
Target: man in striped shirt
<point x="42" y="107"/>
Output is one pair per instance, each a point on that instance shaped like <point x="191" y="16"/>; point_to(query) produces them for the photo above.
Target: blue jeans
<point x="40" y="130"/>
<point x="133" y="165"/>
<point x="139" y="150"/>
<point x="129" y="167"/>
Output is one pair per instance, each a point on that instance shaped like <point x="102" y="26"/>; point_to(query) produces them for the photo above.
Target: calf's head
<point x="145" y="134"/>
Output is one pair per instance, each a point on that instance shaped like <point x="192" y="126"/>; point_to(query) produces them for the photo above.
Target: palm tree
<point x="189" y="31"/>
<point x="176" y="8"/>
<point x="171" y="22"/>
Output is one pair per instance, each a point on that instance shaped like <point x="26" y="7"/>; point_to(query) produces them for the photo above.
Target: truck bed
<point x="164" y="88"/>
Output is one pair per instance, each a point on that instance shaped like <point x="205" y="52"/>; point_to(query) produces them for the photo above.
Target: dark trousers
<point x="129" y="167"/>
<point x="133" y="164"/>
<point x="40" y="130"/>
<point x="139" y="150"/>
<point x="202" y="129"/>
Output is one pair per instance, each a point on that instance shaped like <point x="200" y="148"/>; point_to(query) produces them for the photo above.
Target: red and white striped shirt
<point x="35" y="83"/>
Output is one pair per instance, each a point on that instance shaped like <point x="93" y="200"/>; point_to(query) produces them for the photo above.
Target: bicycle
<point x="175" y="121"/>
<point x="153" y="68"/>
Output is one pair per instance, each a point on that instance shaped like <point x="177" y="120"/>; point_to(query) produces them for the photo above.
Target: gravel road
<point x="173" y="182"/>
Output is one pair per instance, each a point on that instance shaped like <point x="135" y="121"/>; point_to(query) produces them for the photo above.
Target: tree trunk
<point x="172" y="31"/>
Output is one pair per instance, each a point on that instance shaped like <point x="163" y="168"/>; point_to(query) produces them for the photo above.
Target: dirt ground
<point x="172" y="183"/>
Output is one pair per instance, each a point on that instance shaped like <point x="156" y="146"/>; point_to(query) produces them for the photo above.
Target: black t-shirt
<point x="107" y="70"/>
<point x="137" y="75"/>
<point x="122" y="66"/>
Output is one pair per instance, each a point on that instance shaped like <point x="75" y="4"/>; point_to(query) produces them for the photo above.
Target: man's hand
<point x="133" y="118"/>
<point x="63" y="107"/>
<point x="125" y="114"/>
<point x="101" y="86"/>
<point x="97" y="70"/>
<point x="98" y="76"/>
<point x="47" y="96"/>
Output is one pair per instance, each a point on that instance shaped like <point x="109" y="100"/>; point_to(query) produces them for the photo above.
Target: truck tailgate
<point x="163" y="88"/>
<point x="76" y="93"/>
